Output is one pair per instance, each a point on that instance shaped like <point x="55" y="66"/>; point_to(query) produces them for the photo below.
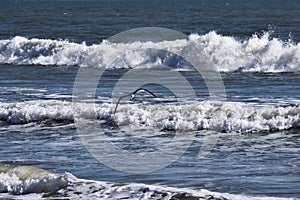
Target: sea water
<point x="253" y="45"/>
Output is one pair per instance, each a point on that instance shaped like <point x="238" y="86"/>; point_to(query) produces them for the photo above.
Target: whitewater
<point x="257" y="124"/>
<point x="255" y="128"/>
<point x="228" y="117"/>
<point x="244" y="145"/>
<point x="36" y="183"/>
<point x="260" y="53"/>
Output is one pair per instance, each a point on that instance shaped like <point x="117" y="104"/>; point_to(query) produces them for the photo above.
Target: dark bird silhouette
<point x="132" y="96"/>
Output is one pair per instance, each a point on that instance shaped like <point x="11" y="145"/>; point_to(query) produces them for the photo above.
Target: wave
<point x="224" y="53"/>
<point x="27" y="179"/>
<point x="35" y="111"/>
<point x="207" y="115"/>
<point x="89" y="189"/>
<point x="38" y="183"/>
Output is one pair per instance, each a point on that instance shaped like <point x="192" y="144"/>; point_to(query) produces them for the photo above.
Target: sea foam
<point x="38" y="183"/>
<point x="28" y="179"/>
<point x="262" y="53"/>
<point x="206" y="115"/>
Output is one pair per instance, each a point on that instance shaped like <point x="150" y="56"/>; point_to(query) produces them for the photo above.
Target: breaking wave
<point x="27" y="179"/>
<point x="26" y="182"/>
<point x="225" y="53"/>
<point x="207" y="115"/>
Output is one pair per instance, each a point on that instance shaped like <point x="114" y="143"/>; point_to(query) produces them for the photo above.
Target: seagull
<point x="132" y="94"/>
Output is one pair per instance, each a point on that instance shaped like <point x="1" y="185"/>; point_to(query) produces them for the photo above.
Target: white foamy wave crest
<point x="228" y="117"/>
<point x="256" y="54"/>
<point x="27" y="179"/>
<point x="20" y="50"/>
<point x="35" y="111"/>
<point x="90" y="189"/>
<point x="224" y="53"/>
<point x="71" y="187"/>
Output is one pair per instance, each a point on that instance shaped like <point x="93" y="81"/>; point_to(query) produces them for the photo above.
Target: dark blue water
<point x="94" y="20"/>
<point x="254" y="45"/>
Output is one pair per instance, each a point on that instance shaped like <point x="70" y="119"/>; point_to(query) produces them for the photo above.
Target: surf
<point x="28" y="179"/>
<point x="229" y="117"/>
<point x="261" y="53"/>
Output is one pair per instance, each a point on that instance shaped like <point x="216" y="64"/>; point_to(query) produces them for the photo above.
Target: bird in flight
<point x="132" y="94"/>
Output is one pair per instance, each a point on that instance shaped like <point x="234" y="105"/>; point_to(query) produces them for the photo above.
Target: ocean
<point x="111" y="99"/>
